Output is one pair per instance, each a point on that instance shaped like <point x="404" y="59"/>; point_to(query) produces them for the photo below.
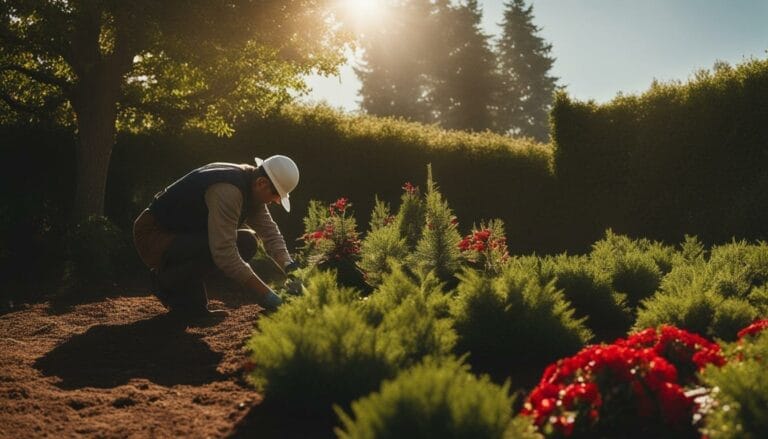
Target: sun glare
<point x="363" y="10"/>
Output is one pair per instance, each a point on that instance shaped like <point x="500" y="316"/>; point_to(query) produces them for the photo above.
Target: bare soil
<point x="119" y="367"/>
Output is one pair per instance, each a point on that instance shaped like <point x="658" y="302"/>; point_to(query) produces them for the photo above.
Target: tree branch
<point x="37" y="75"/>
<point x="19" y="106"/>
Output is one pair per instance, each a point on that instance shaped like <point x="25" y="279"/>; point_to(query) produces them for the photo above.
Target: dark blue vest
<point x="181" y="206"/>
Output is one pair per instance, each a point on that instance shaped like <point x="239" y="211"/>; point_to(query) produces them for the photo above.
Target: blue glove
<point x="270" y="301"/>
<point x="294" y="285"/>
<point x="291" y="267"/>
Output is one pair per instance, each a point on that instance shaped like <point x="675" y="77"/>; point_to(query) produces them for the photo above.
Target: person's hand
<point x="294" y="285"/>
<point x="270" y="301"/>
<point x="291" y="267"/>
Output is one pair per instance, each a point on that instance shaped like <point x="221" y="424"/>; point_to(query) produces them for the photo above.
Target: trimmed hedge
<point x="680" y="158"/>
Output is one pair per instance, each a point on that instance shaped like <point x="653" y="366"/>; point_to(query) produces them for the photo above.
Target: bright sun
<point x="363" y="9"/>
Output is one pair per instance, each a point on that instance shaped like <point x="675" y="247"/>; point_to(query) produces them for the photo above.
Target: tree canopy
<point x="107" y="64"/>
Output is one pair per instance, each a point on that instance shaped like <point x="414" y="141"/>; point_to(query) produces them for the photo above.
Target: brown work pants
<point x="180" y="262"/>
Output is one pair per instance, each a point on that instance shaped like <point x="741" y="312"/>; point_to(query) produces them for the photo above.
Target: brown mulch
<point x="119" y="367"/>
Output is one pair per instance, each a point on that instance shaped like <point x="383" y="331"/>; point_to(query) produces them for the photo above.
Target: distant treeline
<point x="679" y="159"/>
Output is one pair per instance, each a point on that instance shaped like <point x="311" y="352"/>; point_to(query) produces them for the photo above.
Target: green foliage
<point x="606" y="311"/>
<point x="631" y="265"/>
<point x="378" y="250"/>
<point x="328" y="346"/>
<point x="485" y="248"/>
<point x="411" y="216"/>
<point x="328" y="356"/>
<point x="713" y="296"/>
<point x="525" y="61"/>
<point x="435" y="399"/>
<point x="740" y="392"/>
<point x="514" y="321"/>
<point x="438" y="248"/>
<point x="698" y="311"/>
<point x="331" y="240"/>
<point x="381" y="215"/>
<point x="412" y="315"/>
<point x="673" y="160"/>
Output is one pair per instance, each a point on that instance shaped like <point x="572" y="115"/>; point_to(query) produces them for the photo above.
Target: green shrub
<point x="514" y="321"/>
<point x="694" y="310"/>
<point x="637" y="276"/>
<point x="740" y="392"/>
<point x="435" y="399"/>
<point x="328" y="356"/>
<point x="675" y="159"/>
<point x="378" y="249"/>
<point x="606" y="312"/>
<point x="411" y="316"/>
<point x="631" y="265"/>
<point x="737" y="267"/>
<point x="438" y="248"/>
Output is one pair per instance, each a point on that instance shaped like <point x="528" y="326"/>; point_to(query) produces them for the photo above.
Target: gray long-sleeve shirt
<point x="225" y="202"/>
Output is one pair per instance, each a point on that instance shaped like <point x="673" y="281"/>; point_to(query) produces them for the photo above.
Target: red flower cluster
<point x="409" y="188"/>
<point x="754" y="328"/>
<point x="688" y="352"/>
<point x="335" y="236"/>
<point x="340" y="206"/>
<point x="608" y="388"/>
<point x="479" y="241"/>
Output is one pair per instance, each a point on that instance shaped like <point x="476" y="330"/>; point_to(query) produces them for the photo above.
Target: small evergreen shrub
<point x="331" y="240"/>
<point x="411" y="316"/>
<point x="740" y="391"/>
<point x="434" y="399"/>
<point x="606" y="312"/>
<point x="485" y="248"/>
<point x="514" y="321"/>
<point x="411" y="216"/>
<point x="636" y="276"/>
<point x="381" y="246"/>
<point x="704" y="313"/>
<point x="438" y="248"/>
<point x="634" y="267"/>
<point x="330" y="356"/>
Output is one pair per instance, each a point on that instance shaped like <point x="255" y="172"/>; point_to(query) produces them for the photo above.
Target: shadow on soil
<point x="272" y="420"/>
<point x="157" y="349"/>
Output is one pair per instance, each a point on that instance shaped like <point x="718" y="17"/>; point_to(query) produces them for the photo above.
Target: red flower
<point x="753" y="329"/>
<point x="482" y="235"/>
<point x="339" y="206"/>
<point x="409" y="188"/>
<point x="594" y="386"/>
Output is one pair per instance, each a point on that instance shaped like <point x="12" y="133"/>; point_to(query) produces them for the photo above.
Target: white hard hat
<point x="283" y="173"/>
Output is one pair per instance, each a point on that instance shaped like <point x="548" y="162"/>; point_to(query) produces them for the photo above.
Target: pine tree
<point x="438" y="249"/>
<point x="463" y="70"/>
<point x="394" y="68"/>
<point x="527" y="89"/>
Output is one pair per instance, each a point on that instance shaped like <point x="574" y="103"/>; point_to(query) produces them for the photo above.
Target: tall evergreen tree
<point x="462" y="70"/>
<point x="394" y="68"/>
<point x="526" y="93"/>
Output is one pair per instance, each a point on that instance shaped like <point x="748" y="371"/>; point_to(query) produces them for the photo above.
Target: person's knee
<point x="246" y="244"/>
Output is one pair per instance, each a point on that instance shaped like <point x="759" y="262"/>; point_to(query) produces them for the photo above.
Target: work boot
<point x="197" y="316"/>
<point x="157" y="290"/>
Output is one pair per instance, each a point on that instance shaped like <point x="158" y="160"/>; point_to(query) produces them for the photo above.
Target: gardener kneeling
<point x="196" y="225"/>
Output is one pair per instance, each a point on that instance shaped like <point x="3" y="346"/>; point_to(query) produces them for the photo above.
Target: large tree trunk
<point x="95" y="104"/>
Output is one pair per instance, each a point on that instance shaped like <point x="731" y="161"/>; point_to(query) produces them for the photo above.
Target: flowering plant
<point x="611" y="390"/>
<point x="331" y="233"/>
<point x="753" y="329"/>
<point x="486" y="247"/>
<point x="688" y="352"/>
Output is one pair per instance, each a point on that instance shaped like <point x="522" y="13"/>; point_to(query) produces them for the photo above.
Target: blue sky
<point x="603" y="47"/>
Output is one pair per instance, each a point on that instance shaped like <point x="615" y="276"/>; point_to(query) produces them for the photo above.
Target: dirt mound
<point x="121" y="368"/>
